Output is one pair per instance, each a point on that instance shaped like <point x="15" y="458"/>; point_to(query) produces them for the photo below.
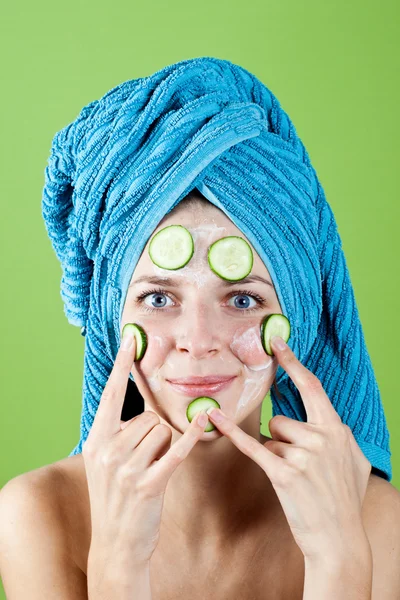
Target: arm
<point x="345" y="574"/>
<point x="35" y="561"/>
<point x="381" y="521"/>
<point x="381" y="518"/>
<point x="108" y="581"/>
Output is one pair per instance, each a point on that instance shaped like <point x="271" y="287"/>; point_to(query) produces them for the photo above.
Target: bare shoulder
<point x="380" y="490"/>
<point x="381" y="519"/>
<point x="37" y="538"/>
<point x="59" y="488"/>
<point x="381" y="508"/>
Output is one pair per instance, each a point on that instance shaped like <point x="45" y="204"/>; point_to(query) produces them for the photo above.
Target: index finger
<point x="108" y="416"/>
<point x="267" y="460"/>
<point x="142" y="385"/>
<point x="181" y="448"/>
<point x="319" y="408"/>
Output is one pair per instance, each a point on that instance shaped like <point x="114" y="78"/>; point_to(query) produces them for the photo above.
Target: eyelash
<point x="260" y="300"/>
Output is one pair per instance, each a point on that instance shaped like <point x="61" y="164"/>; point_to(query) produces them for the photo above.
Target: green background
<point x="333" y="67"/>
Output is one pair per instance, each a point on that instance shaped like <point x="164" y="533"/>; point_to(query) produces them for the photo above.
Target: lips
<point x="202" y="390"/>
<point x="201" y="380"/>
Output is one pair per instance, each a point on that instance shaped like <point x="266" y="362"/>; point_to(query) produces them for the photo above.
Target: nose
<point x="199" y="334"/>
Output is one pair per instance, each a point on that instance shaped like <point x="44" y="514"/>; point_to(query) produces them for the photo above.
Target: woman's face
<point x="199" y="325"/>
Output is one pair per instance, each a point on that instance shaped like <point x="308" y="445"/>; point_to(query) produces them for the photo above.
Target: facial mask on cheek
<point x="154" y="382"/>
<point x="253" y="384"/>
<point x="159" y="340"/>
<point x="246" y="345"/>
<point x="156" y="345"/>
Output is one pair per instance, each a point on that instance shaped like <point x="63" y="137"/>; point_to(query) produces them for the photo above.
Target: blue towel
<point x="129" y="158"/>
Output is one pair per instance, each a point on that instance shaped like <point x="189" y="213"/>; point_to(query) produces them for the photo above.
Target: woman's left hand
<point x="317" y="469"/>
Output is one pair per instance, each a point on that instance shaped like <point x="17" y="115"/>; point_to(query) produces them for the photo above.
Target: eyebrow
<point x="173" y="283"/>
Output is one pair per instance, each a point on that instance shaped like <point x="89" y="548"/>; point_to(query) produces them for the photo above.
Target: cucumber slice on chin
<point x="172" y="247"/>
<point x="141" y="339"/>
<point x="275" y="324"/>
<point x="199" y="404"/>
<point x="231" y="258"/>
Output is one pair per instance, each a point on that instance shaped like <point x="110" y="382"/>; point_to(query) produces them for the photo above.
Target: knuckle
<point x="313" y="383"/>
<point x="108" y="393"/>
<point x="145" y="488"/>
<point x="300" y="459"/>
<point x="290" y="357"/>
<point x="338" y="431"/>
<point x="316" y="441"/>
<point x="89" y="448"/>
<point x="346" y="429"/>
<point x="142" y="489"/>
<point x="308" y="380"/>
<point x="163" y="430"/>
<point x="258" y="453"/>
<point x="177" y="455"/>
<point x="109" y="459"/>
<point x="86" y="449"/>
<point x="151" y="416"/>
<point x="127" y="473"/>
<point x="277" y="420"/>
<point x="344" y="432"/>
<point x="284" y="477"/>
<point x="254" y="448"/>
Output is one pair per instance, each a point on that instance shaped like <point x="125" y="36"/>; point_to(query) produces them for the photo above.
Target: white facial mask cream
<point x="247" y="346"/>
<point x="197" y="269"/>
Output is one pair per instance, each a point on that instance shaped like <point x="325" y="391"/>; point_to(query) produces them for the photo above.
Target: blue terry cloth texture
<point x="129" y="158"/>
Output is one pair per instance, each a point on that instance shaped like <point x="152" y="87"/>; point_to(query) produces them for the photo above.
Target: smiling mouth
<point x="196" y="389"/>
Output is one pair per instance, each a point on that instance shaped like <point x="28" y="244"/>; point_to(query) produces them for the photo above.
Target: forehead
<point x="207" y="224"/>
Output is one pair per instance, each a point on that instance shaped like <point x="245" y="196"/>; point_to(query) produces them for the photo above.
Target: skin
<point x="200" y="330"/>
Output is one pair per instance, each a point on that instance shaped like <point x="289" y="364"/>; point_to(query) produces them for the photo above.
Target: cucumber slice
<point x="274" y="325"/>
<point x="172" y="247"/>
<point x="141" y="339"/>
<point x="201" y="403"/>
<point x="231" y="258"/>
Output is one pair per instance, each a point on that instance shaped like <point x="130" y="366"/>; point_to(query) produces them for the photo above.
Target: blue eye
<point x="246" y="302"/>
<point x="261" y="302"/>
<point x="158" y="296"/>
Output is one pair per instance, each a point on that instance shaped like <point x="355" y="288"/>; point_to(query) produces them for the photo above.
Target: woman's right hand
<point x="128" y="465"/>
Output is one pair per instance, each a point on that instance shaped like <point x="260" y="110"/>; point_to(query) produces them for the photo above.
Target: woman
<point x="242" y="510"/>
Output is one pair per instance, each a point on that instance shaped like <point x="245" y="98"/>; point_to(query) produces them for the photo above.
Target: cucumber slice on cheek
<point x="201" y="403"/>
<point x="198" y="404"/>
<point x="141" y="339"/>
<point x="272" y="325"/>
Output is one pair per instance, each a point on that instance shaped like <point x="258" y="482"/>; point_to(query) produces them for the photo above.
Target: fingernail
<point x="202" y="419"/>
<point x="278" y="342"/>
<point x="127" y="338"/>
<point x="215" y="414"/>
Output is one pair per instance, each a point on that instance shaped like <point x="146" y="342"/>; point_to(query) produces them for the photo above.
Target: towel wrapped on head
<point x="129" y="158"/>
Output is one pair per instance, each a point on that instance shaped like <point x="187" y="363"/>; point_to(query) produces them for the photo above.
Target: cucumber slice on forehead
<point x="231" y="258"/>
<point x="275" y="324"/>
<point x="201" y="403"/>
<point x="141" y="339"/>
<point x="172" y="247"/>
